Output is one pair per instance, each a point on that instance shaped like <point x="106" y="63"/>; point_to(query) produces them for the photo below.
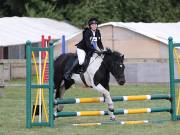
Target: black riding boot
<point x="68" y="74"/>
<point x="81" y="69"/>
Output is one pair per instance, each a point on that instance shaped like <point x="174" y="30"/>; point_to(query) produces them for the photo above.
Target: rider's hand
<point x="103" y="50"/>
<point x="98" y="52"/>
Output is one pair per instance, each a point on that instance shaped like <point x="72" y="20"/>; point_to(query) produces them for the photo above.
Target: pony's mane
<point x="114" y="53"/>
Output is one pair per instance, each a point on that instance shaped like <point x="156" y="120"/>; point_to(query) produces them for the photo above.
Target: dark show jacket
<point x="85" y="43"/>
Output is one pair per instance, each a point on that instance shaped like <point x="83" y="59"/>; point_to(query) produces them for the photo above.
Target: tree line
<point x="77" y="12"/>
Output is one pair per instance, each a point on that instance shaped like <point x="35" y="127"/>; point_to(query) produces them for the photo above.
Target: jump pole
<point x="114" y="99"/>
<point x="116" y="112"/>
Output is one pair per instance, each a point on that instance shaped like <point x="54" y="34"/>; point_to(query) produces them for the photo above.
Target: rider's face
<point x="93" y="26"/>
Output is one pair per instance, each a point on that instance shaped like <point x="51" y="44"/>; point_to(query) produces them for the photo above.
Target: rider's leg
<point x="81" y="57"/>
<point x="68" y="74"/>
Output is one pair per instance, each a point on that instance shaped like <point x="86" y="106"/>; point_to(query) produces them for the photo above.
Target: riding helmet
<point x="93" y="21"/>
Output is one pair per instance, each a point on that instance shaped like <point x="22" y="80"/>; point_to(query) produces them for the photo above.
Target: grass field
<point x="12" y="114"/>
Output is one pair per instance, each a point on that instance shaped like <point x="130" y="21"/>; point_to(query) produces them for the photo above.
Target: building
<point x="136" y="40"/>
<point x="15" y="31"/>
<point x="144" y="46"/>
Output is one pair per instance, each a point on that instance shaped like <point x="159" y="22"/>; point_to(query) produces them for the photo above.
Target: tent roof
<point x="17" y="30"/>
<point x="157" y="31"/>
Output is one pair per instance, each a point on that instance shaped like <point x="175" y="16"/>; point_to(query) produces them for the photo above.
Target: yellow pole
<point x="90" y="100"/>
<point x="37" y="95"/>
<point x="177" y="60"/>
<point x="137" y="98"/>
<point x="90" y="113"/>
<point x="134" y="122"/>
<point x="134" y="111"/>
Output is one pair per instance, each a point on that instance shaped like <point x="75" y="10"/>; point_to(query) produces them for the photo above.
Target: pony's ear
<point x="108" y="50"/>
<point x="122" y="55"/>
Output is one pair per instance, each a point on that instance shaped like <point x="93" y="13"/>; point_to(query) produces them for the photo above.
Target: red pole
<point x="43" y="45"/>
<point x="49" y="39"/>
<point x="46" y="77"/>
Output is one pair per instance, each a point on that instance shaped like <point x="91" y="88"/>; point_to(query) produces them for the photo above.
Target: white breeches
<point x="81" y="56"/>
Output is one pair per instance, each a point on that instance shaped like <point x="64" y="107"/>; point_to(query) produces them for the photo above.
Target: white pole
<point x="40" y="82"/>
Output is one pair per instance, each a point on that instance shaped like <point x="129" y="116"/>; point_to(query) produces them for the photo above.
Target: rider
<point x="91" y="41"/>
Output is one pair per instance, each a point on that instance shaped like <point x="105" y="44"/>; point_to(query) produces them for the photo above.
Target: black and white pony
<point x="97" y="75"/>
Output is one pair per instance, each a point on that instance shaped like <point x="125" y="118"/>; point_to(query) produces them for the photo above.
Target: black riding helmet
<point x="93" y="21"/>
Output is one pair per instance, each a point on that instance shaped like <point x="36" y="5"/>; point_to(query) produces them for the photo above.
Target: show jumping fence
<point x="52" y="115"/>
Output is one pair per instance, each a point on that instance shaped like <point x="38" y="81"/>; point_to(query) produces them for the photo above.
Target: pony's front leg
<point x="108" y="100"/>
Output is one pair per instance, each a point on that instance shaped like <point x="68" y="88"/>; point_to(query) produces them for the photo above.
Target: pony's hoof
<point x="60" y="108"/>
<point x="113" y="118"/>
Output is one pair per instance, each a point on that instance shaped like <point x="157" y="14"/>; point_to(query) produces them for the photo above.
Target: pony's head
<point x="114" y="63"/>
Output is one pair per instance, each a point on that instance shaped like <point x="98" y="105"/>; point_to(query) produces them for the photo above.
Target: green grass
<point x="12" y="113"/>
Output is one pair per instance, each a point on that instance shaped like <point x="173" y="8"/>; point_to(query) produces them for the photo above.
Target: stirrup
<point x="81" y="70"/>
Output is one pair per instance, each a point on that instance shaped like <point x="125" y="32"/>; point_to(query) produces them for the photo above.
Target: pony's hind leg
<point x="61" y="96"/>
<point x="108" y="100"/>
<point x="55" y="98"/>
<point x="63" y="87"/>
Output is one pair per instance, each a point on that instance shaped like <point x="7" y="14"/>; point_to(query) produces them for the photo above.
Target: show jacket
<point x="86" y="42"/>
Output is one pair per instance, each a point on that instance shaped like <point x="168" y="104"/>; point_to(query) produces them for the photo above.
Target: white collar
<point x="94" y="32"/>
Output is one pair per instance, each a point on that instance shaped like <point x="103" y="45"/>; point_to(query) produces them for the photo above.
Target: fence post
<point x="28" y="84"/>
<point x="51" y="85"/>
<point x="172" y="79"/>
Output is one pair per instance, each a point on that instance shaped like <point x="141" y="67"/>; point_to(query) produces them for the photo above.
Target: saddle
<point x="79" y="68"/>
<point x="85" y="65"/>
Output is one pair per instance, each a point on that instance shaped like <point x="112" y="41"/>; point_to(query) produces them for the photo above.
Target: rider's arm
<point x="100" y="45"/>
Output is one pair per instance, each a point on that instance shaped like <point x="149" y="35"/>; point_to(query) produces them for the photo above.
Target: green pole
<point x="28" y="84"/>
<point x="51" y="85"/>
<point x="116" y="112"/>
<point x="172" y="82"/>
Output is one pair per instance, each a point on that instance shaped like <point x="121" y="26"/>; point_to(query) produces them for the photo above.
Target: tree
<point x="41" y="8"/>
<point x="78" y="12"/>
<point x="12" y="7"/>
